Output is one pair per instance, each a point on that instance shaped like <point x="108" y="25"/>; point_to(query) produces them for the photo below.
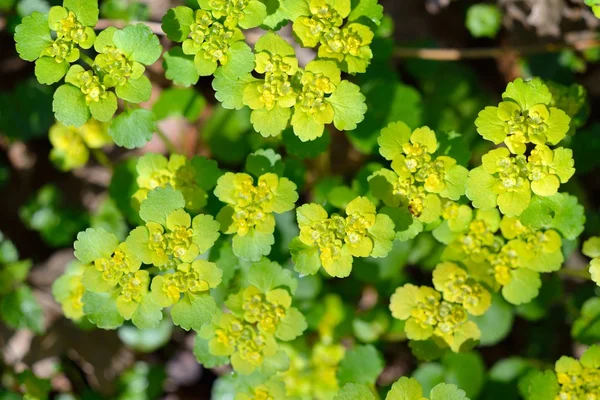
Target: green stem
<point x="86" y="59"/>
<point x="101" y="157"/>
<point x="576" y="273"/>
<point x="170" y="146"/>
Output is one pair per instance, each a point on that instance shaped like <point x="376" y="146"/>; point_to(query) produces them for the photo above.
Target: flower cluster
<point x="193" y="178"/>
<point x="313" y="376"/>
<point x="250" y="208"/>
<point x="419" y="179"/>
<point x="322" y="24"/>
<point x="508" y="176"/>
<point x="260" y="314"/>
<point x="72" y="29"/>
<point x="503" y="252"/>
<point x="71" y="146"/>
<point x="309" y="98"/>
<point x="68" y="290"/>
<point x="54" y="40"/>
<point x="431" y="314"/>
<point x="333" y="241"/>
<point x="179" y="239"/>
<point x="113" y="271"/>
<point x="579" y="379"/>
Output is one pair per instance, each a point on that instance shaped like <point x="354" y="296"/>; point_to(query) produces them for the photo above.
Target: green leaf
<point x="48" y="71"/>
<point x="586" y="328"/>
<point x="104" y="109"/>
<point x="135" y="90"/>
<point x="270" y="122"/>
<point x="484" y="20"/>
<point x="527" y="93"/>
<point x="291" y="326"/>
<point x="444" y="391"/>
<point x="362" y="364"/>
<point x="148" y="314"/>
<point x="85" y="10"/>
<point x="93" y="244"/>
<point x="267" y="275"/>
<point x="69" y="106"/>
<point x="263" y="161"/>
<point x="133" y="128"/>
<point x="176" y="23"/>
<point x="543" y="386"/>
<point x="368" y="9"/>
<point x="253" y="245"/>
<point x="180" y="67"/>
<point x="352" y="391"/>
<point x="181" y="102"/>
<point x="465" y="370"/>
<point x="146" y="340"/>
<point x="496" y="323"/>
<point x="405" y="389"/>
<point x="348" y="106"/>
<point x="274" y="44"/>
<point x="560" y="211"/>
<point x="425" y="350"/>
<point x="204" y="356"/>
<point x="479" y="190"/>
<point x="524" y="285"/>
<point x="160" y="203"/>
<point x="230" y="92"/>
<point x="101" y="309"/>
<point x="20" y="310"/>
<point x="32" y="36"/>
<point x="240" y="62"/>
<point x="309" y="149"/>
<point x="193" y="311"/>
<point x="286" y="10"/>
<point x="138" y="43"/>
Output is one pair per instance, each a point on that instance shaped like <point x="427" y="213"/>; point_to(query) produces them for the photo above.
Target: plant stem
<point x="576" y="273"/>
<point x="170" y="146"/>
<point x="86" y="59"/>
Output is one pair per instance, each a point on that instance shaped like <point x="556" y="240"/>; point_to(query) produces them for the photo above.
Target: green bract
<point x="523" y="117"/>
<point x="250" y="208"/>
<point x="419" y="179"/>
<point x="333" y="241"/>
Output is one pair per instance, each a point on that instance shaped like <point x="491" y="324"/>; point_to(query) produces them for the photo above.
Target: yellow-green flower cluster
<point x="307" y="98"/>
<point x="579" y="379"/>
<point x="322" y="25"/>
<point x="250" y="208"/>
<point x="210" y="42"/>
<point x="508" y="176"/>
<point x="179" y="172"/>
<point x="419" y="179"/>
<point x="179" y="240"/>
<point x="111" y="268"/>
<point x="313" y="376"/>
<point x="71" y="33"/>
<point x="503" y="253"/>
<point x="259" y="315"/>
<point x="333" y="241"/>
<point x="71" y="146"/>
<point x="442" y="313"/>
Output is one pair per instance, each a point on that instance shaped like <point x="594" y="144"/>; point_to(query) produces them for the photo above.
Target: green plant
<point x="230" y="245"/>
